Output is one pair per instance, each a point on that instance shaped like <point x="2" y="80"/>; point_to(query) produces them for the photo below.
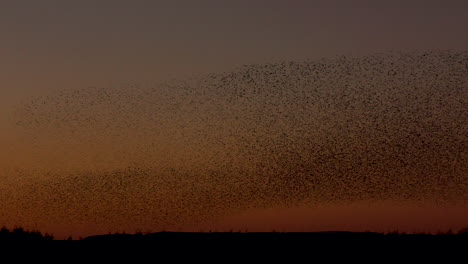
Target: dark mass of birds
<point x="390" y="126"/>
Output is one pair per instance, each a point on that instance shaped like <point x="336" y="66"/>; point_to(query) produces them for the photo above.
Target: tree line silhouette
<point x="20" y="234"/>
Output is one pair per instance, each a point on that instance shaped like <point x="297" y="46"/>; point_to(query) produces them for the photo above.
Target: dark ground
<point x="278" y="247"/>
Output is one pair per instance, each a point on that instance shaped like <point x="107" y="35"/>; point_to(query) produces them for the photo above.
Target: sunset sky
<point x="50" y="47"/>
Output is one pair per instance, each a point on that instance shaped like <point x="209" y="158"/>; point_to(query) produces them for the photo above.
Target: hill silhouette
<point x="237" y="244"/>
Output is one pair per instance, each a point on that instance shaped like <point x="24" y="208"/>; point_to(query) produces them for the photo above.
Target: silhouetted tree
<point x="19" y="233"/>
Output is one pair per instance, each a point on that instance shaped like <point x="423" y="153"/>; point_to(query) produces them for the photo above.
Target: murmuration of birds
<point x="388" y="126"/>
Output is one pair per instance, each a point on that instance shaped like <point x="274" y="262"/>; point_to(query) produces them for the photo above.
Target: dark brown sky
<point x="69" y="44"/>
<point x="47" y="46"/>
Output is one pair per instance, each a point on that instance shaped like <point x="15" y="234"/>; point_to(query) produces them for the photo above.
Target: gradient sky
<point x="47" y="45"/>
<point x="71" y="44"/>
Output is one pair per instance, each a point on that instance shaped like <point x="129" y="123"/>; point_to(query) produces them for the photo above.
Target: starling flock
<point x="390" y="126"/>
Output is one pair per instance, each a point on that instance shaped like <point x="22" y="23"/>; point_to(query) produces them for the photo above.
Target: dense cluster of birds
<point x="390" y="126"/>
